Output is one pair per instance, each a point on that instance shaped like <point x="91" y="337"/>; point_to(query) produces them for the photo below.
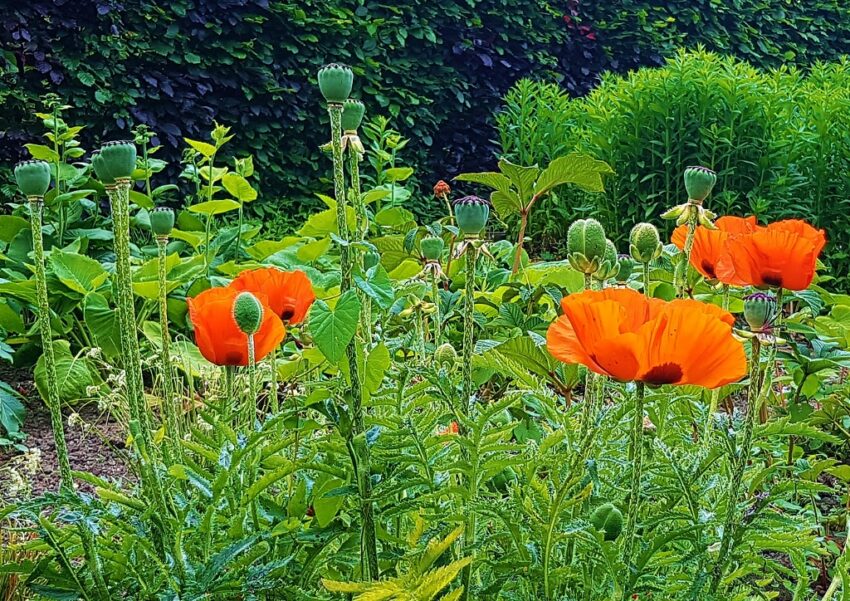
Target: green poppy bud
<point x="699" y="181"/>
<point x="586" y="245"/>
<point x="760" y="311"/>
<point x="335" y="82"/>
<point x="627" y="268"/>
<point x="118" y="159"/>
<point x="645" y="243"/>
<point x="352" y="114"/>
<point x="371" y="258"/>
<point x="248" y="312"/>
<point x="471" y="214"/>
<point x="446" y="355"/>
<point x="610" y="266"/>
<point x="162" y="221"/>
<point x="608" y="519"/>
<point x="33" y="177"/>
<point x="432" y="248"/>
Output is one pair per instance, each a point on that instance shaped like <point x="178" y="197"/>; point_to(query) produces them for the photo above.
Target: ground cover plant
<point x="376" y="408"/>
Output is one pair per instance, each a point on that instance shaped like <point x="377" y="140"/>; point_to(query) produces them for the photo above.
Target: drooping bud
<point x="335" y="82"/>
<point x="117" y="160"/>
<point x="371" y="258"/>
<point x="586" y="244"/>
<point x="608" y="519"/>
<point x="162" y="221"/>
<point x="471" y="214"/>
<point x="446" y="355"/>
<point x="760" y="311"/>
<point x="432" y="248"/>
<point x="627" y="268"/>
<point x="33" y="177"/>
<point x="645" y="243"/>
<point x="610" y="266"/>
<point x="699" y="181"/>
<point x="352" y="114"/>
<point x="441" y="188"/>
<point x="248" y="312"/>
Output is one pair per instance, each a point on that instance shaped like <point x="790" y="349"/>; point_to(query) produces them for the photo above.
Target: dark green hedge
<point x="439" y="68"/>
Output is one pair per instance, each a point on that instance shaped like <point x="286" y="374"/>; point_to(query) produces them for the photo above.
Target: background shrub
<point x="778" y="139"/>
<point x="439" y="69"/>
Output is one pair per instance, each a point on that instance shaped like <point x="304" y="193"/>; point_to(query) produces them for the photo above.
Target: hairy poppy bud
<point x="610" y="266"/>
<point x="432" y="248"/>
<point x="441" y="188"/>
<point x="645" y="243"/>
<point x="335" y="82"/>
<point x="586" y="244"/>
<point x="446" y="354"/>
<point x="248" y="312"/>
<point x="33" y="177"/>
<point x="608" y="519"/>
<point x="471" y="213"/>
<point x="118" y="159"/>
<point x="627" y="268"/>
<point x="699" y="181"/>
<point x="162" y="221"/>
<point x="759" y="311"/>
<point x="370" y="259"/>
<point x="352" y="114"/>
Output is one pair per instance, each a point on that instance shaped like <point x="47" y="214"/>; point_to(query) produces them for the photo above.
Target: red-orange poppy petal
<point x="618" y="357"/>
<point x="289" y="293"/>
<point x="737" y="225"/>
<point x="219" y="338"/>
<point x="707" y="308"/>
<point x="799" y="227"/>
<point x="771" y="257"/>
<point x="680" y="236"/>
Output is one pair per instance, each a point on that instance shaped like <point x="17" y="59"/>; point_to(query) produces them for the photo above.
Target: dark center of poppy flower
<point x="287" y="314"/>
<point x="233" y="358"/>
<point x="708" y="269"/>
<point x="666" y="373"/>
<point x="772" y="278"/>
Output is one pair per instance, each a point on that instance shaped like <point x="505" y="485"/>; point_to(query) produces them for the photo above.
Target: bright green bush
<point x="778" y="140"/>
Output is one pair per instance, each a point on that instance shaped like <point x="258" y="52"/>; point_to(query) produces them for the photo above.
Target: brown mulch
<point x="98" y="450"/>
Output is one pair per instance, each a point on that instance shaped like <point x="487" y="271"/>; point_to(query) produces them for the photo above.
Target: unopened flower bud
<point x="699" y="181"/>
<point x="627" y="268"/>
<point x="371" y="258"/>
<point x="432" y="248"/>
<point x="162" y="221"/>
<point x="608" y="519"/>
<point x="248" y="312"/>
<point x="645" y="243"/>
<point x="441" y="188"/>
<point x="586" y="245"/>
<point x="335" y="82"/>
<point x="471" y="214"/>
<point x="446" y="355"/>
<point x="610" y="266"/>
<point x="33" y="177"/>
<point x="759" y="311"/>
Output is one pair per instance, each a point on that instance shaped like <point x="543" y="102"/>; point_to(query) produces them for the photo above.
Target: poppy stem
<point x="715" y="394"/>
<point x="360" y="452"/>
<point x="469" y="328"/>
<point x="360" y="231"/>
<point x="646" y="280"/>
<point x="169" y="403"/>
<point x="682" y="272"/>
<point x="636" y="452"/>
<point x="252" y="383"/>
<point x="438" y="318"/>
<point x="273" y="394"/>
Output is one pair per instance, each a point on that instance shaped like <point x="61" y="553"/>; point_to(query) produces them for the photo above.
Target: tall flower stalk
<point x="636" y="453"/>
<point x="335" y="83"/>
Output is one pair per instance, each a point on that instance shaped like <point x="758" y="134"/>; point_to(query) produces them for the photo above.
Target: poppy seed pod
<point x="471" y="214"/>
<point x="586" y="245"/>
<point x="645" y="243"/>
<point x="699" y="181"/>
<point x="627" y="268"/>
<point x="100" y="168"/>
<point x="335" y="82"/>
<point x="759" y="311"/>
<point x="33" y="177"/>
<point x="352" y="114"/>
<point x="608" y="519"/>
<point x="248" y="312"/>
<point x="432" y="248"/>
<point x="118" y="159"/>
<point x="610" y="265"/>
<point x="371" y="258"/>
<point x="162" y="221"/>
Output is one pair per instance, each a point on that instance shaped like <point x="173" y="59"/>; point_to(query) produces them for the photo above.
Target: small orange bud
<point x="441" y="188"/>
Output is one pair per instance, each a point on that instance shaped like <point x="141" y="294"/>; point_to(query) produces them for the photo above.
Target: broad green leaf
<point x="311" y="251"/>
<point x="12" y="412"/>
<point x="581" y="170"/>
<point x="523" y="178"/>
<point x="394" y="217"/>
<point x="191" y="238"/>
<point x="42" y="153"/>
<point x="377" y="286"/>
<point x="506" y="203"/>
<point x="78" y="272"/>
<point x="238" y="187"/>
<point x="215" y="207"/>
<point x="333" y="329"/>
<point x="204" y="148"/>
<point x="491" y="179"/>
<point x="266" y="248"/>
<point x="323" y="224"/>
<point x="141" y="200"/>
<point x="73" y="374"/>
<point x="69" y="197"/>
<point x="398" y="174"/>
<point x="10" y="225"/>
<point x="377" y="364"/>
<point x="327" y="506"/>
<point x="102" y="321"/>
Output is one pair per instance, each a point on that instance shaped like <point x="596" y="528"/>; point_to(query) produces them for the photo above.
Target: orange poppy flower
<point x="620" y="333"/>
<point x="710" y="245"/>
<point x="783" y="255"/>
<point x="217" y="335"/>
<point x="290" y="293"/>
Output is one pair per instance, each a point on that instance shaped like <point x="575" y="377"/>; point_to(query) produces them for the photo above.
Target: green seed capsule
<point x="471" y="214"/>
<point x="352" y="114"/>
<point x="248" y="312"/>
<point x="162" y="221"/>
<point x="586" y="245"/>
<point x="699" y="182"/>
<point x="759" y="311"/>
<point x="335" y="82"/>
<point x="118" y="159"/>
<point x="432" y="248"/>
<point x="33" y="177"/>
<point x="608" y="519"/>
<point x="645" y="243"/>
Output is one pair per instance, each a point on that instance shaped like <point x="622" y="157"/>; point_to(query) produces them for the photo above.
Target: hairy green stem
<point x="636" y="452"/>
<point x="715" y="394"/>
<point x="360" y="232"/>
<point x="54" y="403"/>
<point x="251" y="405"/>
<point x="682" y="272"/>
<point x="274" y="401"/>
<point x="170" y="411"/>
<point x="646" y="280"/>
<point x="438" y="316"/>
<point x="359" y="452"/>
